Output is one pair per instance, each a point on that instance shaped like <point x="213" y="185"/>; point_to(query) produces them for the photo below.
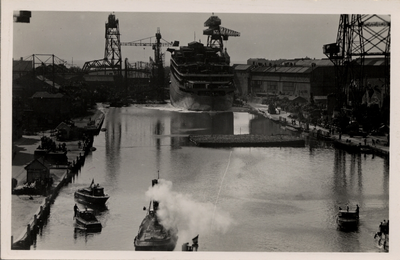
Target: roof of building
<point x="63" y="125"/>
<point x="297" y="98"/>
<point x="41" y="161"/>
<point x="308" y="63"/>
<point x="43" y="94"/>
<point x="22" y="65"/>
<point x="283" y="69"/>
<point x="242" y="67"/>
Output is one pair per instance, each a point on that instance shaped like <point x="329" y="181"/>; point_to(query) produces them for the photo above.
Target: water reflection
<point x="81" y="234"/>
<point x="113" y="137"/>
<point x="204" y="123"/>
<point x="283" y="199"/>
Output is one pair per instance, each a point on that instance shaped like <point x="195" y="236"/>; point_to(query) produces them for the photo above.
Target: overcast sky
<point x="268" y="29"/>
<point x="80" y="35"/>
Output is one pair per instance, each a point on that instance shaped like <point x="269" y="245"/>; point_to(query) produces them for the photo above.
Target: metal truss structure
<point x="216" y="33"/>
<point x="359" y="36"/>
<point x="44" y="67"/>
<point x="156" y="64"/>
<point x="139" y="69"/>
<point x="112" y="60"/>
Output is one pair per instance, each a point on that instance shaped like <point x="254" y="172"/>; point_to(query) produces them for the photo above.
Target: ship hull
<point x="195" y="102"/>
<point x="97" y="200"/>
<point x="165" y="245"/>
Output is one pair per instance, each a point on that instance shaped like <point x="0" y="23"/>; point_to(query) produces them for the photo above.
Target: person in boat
<point x="357" y="209"/>
<point x="347" y="208"/>
<point x="91" y="184"/>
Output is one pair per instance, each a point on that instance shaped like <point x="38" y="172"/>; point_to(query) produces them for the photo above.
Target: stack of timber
<point x="247" y="140"/>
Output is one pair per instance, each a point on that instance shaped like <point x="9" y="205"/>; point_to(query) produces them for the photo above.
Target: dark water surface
<point x="237" y="199"/>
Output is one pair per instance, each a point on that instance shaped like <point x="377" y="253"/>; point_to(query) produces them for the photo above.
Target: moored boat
<point x="382" y="236"/>
<point x="348" y="219"/>
<point x="87" y="220"/>
<point x="94" y="194"/>
<point x="193" y="247"/>
<point x="153" y="236"/>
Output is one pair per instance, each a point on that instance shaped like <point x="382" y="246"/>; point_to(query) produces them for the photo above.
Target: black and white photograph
<point x="199" y="129"/>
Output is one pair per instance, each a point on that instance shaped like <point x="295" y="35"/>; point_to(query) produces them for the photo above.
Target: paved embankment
<point x="377" y="145"/>
<point x="27" y="212"/>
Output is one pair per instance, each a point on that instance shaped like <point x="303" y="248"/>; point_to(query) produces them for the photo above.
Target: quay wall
<point x="76" y="160"/>
<point x="356" y="144"/>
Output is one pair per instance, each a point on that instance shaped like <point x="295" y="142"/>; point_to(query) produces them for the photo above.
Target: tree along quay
<point x="377" y="145"/>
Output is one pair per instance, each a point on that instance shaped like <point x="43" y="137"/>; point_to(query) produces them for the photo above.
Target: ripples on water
<point x="278" y="199"/>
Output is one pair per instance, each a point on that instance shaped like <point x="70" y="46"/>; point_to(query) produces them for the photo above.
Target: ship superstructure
<point x="201" y="76"/>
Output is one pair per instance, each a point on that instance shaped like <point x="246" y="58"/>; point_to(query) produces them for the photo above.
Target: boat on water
<point x="382" y="236"/>
<point x="348" y="219"/>
<point x="193" y="247"/>
<point x="153" y="236"/>
<point x="94" y="194"/>
<point x="86" y="220"/>
<point x="201" y="76"/>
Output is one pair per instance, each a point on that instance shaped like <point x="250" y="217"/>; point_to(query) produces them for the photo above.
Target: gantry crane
<point x="358" y="36"/>
<point x="216" y="33"/>
<point x="156" y="64"/>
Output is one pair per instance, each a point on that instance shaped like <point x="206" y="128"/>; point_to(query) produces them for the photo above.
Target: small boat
<point x="348" y="219"/>
<point x="193" y="247"/>
<point x="94" y="194"/>
<point x="153" y="236"/>
<point x="382" y="236"/>
<point x="87" y="220"/>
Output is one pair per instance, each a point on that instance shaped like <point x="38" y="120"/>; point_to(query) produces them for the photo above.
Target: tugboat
<point x="94" y="194"/>
<point x="153" y="236"/>
<point x="87" y="220"/>
<point x="348" y="219"/>
<point x="382" y="237"/>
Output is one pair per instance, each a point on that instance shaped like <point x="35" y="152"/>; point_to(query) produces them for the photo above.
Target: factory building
<point x="297" y="78"/>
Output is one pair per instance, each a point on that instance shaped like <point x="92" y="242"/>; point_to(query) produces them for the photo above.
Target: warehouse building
<point x="304" y="78"/>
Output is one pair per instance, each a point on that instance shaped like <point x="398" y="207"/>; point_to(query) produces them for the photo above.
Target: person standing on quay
<point x="76" y="209"/>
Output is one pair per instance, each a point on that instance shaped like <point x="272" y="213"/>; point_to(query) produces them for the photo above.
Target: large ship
<point x="201" y="76"/>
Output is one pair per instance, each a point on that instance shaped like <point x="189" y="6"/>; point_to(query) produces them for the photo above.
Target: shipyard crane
<point x="112" y="60"/>
<point x="216" y="33"/>
<point x="157" y="65"/>
<point x="358" y="36"/>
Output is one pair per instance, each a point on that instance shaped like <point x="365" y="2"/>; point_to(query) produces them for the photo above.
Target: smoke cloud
<point x="191" y="217"/>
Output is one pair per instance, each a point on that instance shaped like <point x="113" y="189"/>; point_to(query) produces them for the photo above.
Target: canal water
<point x="235" y="199"/>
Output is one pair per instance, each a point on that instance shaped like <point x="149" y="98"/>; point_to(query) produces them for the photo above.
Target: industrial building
<point x="298" y="77"/>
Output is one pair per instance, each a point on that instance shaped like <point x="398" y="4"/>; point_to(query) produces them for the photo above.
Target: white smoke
<point x="191" y="217"/>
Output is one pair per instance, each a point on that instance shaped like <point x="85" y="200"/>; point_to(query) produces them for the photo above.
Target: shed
<point x="37" y="169"/>
<point x="63" y="131"/>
